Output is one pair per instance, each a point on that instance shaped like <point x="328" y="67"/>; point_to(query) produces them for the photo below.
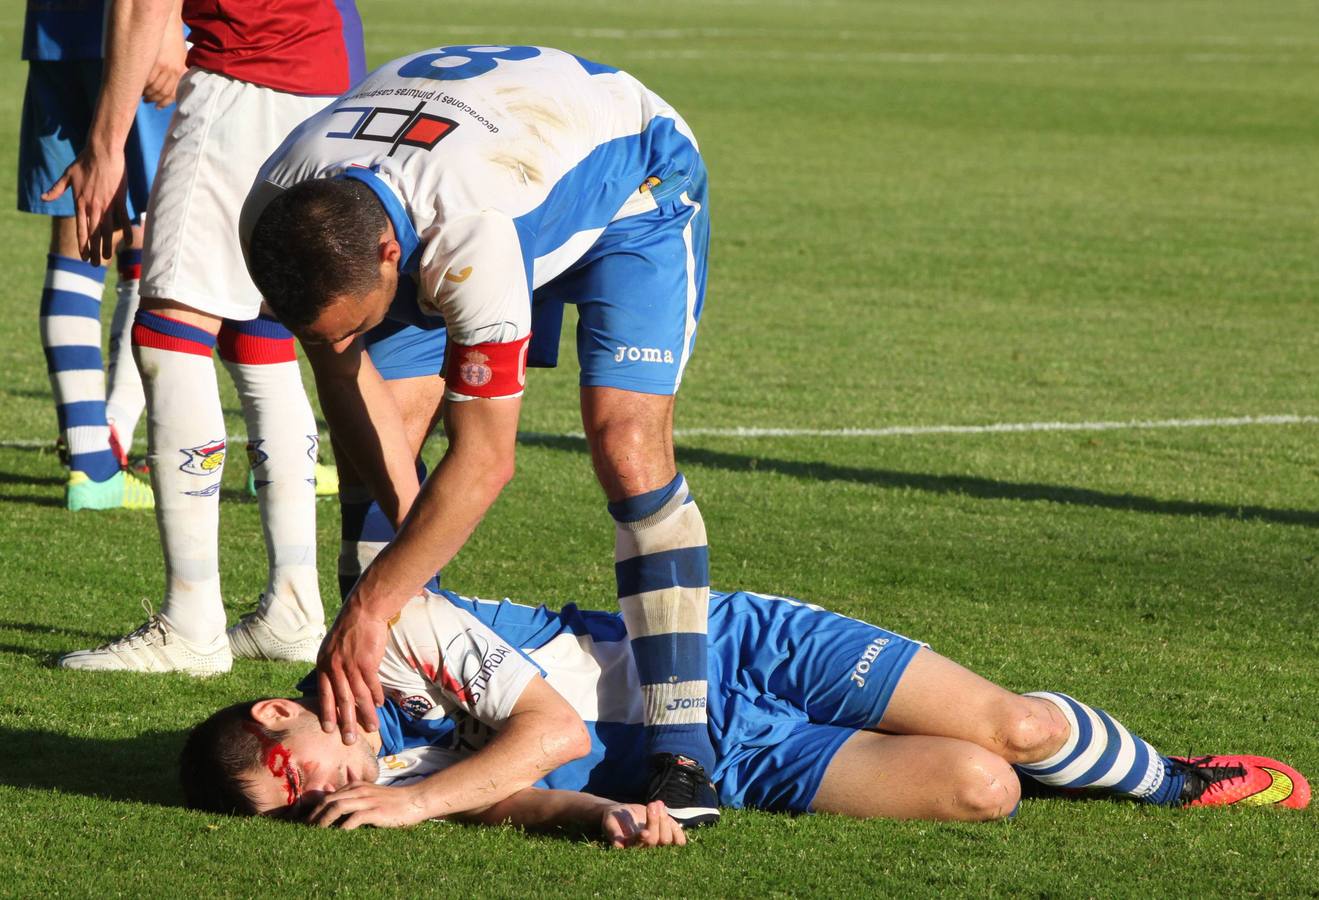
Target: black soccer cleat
<point x="682" y="784"/>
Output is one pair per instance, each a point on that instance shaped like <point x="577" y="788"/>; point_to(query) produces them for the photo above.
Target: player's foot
<point x="1249" y="780"/>
<point x="327" y="481"/>
<point x="684" y="787"/>
<point x="154" y="648"/>
<point x="252" y="637"/>
<point x="122" y="490"/>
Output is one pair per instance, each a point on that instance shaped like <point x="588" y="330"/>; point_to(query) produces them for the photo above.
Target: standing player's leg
<point x="71" y="338"/>
<point x="194" y="277"/>
<point x="639" y="294"/>
<point x="282" y="440"/>
<point x="125" y="399"/>
<point x="661" y="566"/>
<point x="57" y="108"/>
<point x="186" y="452"/>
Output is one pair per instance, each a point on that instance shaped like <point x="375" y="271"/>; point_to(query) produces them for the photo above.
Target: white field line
<point x="992" y="428"/>
<point x="997" y="428"/>
<point x="852" y="34"/>
<point x="888" y="431"/>
<point x="954" y="57"/>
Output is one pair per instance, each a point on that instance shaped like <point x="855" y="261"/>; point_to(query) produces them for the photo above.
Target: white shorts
<point x="221" y="133"/>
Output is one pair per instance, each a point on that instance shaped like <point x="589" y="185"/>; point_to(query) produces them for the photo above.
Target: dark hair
<point x="317" y="240"/>
<point x="218" y="759"/>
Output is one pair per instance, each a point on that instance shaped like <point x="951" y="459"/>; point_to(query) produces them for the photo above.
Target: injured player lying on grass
<point x="499" y="712"/>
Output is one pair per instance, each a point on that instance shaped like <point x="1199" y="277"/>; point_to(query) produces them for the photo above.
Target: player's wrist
<point x="105" y="149"/>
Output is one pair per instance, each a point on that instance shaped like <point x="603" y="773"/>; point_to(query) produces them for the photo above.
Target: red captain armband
<point x="487" y="370"/>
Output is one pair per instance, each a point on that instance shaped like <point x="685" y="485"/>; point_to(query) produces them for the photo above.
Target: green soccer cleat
<point x="122" y="490"/>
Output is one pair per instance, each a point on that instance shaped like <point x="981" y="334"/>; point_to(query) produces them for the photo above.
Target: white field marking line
<point x="852" y="34"/>
<point x="901" y="57"/>
<point x="889" y="431"/>
<point x="994" y="428"/>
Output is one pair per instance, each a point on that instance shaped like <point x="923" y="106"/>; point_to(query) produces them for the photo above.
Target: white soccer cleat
<point x="251" y="637"/>
<point x="154" y="648"/>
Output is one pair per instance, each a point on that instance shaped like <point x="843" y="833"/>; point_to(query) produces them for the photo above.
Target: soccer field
<point x="934" y="214"/>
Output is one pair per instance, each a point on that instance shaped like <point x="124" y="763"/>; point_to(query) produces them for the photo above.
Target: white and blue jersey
<point x="518" y="179"/>
<point x="788" y="684"/>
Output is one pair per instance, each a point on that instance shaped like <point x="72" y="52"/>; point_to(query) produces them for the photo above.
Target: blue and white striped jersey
<point x="499" y="168"/>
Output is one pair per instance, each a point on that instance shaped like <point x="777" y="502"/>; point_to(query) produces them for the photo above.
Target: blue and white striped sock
<point x="662" y="566"/>
<point x="365" y="530"/>
<point x="71" y="337"/>
<point x="1101" y="754"/>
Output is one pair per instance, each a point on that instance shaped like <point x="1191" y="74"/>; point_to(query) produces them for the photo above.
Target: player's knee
<point x="630" y="451"/>
<point x="985" y="787"/>
<point x="1031" y="729"/>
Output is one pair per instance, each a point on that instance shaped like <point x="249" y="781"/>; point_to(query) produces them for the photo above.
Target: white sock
<point x="282" y="445"/>
<point x="186" y="450"/>
<point x="125" y="399"/>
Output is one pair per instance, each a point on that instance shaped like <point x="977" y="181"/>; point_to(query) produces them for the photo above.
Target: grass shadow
<point x="964" y="485"/>
<point x="38" y="628"/>
<point x="138" y="769"/>
<point x="34" y="501"/>
<point x="15" y="478"/>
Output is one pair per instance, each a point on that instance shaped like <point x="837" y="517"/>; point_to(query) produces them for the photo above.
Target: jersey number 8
<point x="457" y="63"/>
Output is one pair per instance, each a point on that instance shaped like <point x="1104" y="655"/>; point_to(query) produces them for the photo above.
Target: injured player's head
<point x="270" y="757"/>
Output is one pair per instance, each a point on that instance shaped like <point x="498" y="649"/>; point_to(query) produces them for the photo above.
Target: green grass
<point x="925" y="213"/>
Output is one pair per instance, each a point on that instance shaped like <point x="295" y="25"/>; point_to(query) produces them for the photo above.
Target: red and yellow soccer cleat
<point x="1248" y="780"/>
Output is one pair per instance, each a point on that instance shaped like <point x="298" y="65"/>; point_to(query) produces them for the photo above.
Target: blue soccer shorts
<point x="57" y="114"/>
<point x="399" y="350"/>
<point x="639" y="291"/>
<point x="796" y="682"/>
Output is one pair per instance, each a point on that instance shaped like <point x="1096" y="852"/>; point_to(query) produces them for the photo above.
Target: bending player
<point x="485" y="182"/>
<point x="809" y="711"/>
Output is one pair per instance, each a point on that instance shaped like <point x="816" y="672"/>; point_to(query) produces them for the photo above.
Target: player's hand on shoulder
<point x="346" y="672"/>
<point x="361" y="803"/>
<point x="635" y="825"/>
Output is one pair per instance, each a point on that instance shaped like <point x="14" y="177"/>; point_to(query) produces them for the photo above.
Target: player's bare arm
<point x="475" y="468"/>
<point x="621" y="824"/>
<point x="171" y="62"/>
<point x="366" y="421"/>
<point x="96" y="177"/>
<point x="542" y="733"/>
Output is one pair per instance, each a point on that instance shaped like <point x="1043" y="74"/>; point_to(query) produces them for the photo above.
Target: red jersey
<point x="309" y="47"/>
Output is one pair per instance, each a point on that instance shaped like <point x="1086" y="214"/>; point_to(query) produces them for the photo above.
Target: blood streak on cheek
<point x="277" y="760"/>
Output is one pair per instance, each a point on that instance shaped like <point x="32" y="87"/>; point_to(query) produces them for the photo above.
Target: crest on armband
<point x="473" y="371"/>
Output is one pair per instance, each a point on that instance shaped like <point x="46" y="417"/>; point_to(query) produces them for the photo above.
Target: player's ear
<point x="277" y="714"/>
<point x="390" y="251"/>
